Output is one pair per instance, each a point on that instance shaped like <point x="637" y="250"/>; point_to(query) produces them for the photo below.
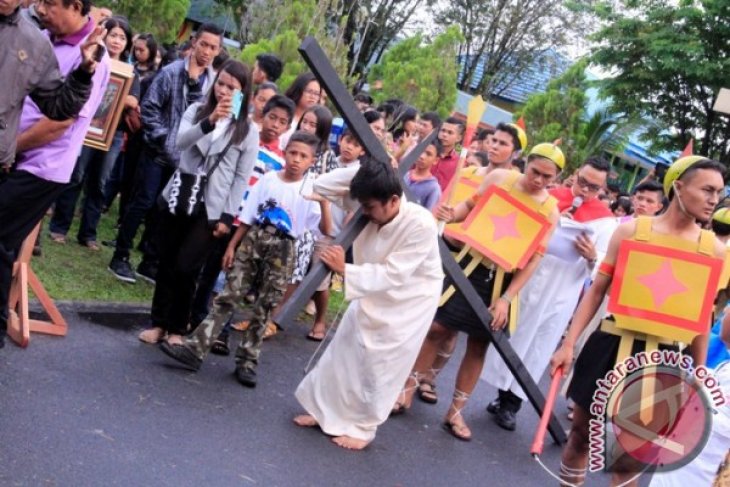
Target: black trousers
<point x="24" y="199"/>
<point x="208" y="278"/>
<point x="185" y="243"/>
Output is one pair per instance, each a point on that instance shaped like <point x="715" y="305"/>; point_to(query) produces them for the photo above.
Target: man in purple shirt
<point x="47" y="149"/>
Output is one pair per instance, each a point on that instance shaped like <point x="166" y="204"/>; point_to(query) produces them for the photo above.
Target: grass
<point x="72" y="272"/>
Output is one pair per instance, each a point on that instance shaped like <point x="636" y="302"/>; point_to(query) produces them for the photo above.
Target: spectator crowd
<point x="235" y="181"/>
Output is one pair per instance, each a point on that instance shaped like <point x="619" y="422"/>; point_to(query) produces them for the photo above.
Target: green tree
<point x="297" y="20"/>
<point x="421" y="74"/>
<point x="163" y="18"/>
<point x="560" y="113"/>
<point x="668" y="61"/>
<point x="506" y="37"/>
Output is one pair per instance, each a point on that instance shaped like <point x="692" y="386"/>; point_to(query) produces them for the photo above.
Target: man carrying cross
<point x="393" y="288"/>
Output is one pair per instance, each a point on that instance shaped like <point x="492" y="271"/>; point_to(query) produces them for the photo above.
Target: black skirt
<point x="597" y="358"/>
<point x="456" y="312"/>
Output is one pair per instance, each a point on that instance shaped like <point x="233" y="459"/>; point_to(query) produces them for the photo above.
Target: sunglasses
<point x="583" y="183"/>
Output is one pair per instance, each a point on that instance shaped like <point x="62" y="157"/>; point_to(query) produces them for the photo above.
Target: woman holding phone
<point x="223" y="148"/>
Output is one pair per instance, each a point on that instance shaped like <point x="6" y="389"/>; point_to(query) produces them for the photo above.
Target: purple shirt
<point x="55" y="160"/>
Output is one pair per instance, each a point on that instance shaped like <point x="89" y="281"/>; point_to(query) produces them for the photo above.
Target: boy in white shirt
<point x="274" y="215"/>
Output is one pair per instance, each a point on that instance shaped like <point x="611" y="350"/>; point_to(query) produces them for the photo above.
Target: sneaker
<point x="246" y="375"/>
<point x="220" y="345"/>
<point x="122" y="270"/>
<point x="148" y="272"/>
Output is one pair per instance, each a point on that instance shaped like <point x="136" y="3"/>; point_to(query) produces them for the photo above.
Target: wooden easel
<point x="19" y="323"/>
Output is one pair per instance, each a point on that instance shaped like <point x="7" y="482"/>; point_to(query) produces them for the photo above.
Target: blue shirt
<point x="427" y="191"/>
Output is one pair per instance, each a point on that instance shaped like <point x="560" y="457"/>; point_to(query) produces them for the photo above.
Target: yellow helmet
<point x="722" y="216"/>
<point x="678" y="168"/>
<point x="520" y="135"/>
<point x="551" y="152"/>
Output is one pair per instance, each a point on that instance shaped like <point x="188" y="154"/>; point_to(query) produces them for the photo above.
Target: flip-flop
<point x="315" y="337"/>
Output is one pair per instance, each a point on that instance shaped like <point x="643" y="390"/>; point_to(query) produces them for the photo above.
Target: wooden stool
<point x="19" y="323"/>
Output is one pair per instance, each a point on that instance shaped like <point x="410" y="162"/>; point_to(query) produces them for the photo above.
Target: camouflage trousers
<point x="262" y="254"/>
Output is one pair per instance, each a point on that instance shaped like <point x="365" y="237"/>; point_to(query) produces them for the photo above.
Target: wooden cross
<point x="317" y="61"/>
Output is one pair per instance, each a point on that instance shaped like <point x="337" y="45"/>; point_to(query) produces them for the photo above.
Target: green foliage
<point x="560" y="113"/>
<point x="504" y="38"/>
<point x="421" y="74"/>
<point x="297" y="20"/>
<point x="668" y="62"/>
<point x="163" y="18"/>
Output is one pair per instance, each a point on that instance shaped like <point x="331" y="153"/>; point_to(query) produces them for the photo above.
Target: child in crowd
<point x="277" y="116"/>
<point x="421" y="182"/>
<point x="261" y="95"/>
<point x="477" y="159"/>
<point x="272" y="218"/>
<point x="334" y="218"/>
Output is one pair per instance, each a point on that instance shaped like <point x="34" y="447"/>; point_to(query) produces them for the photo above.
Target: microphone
<point x="577" y="202"/>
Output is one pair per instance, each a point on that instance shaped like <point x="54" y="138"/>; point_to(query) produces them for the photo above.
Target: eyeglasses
<point x="583" y="183"/>
<point x="311" y="92"/>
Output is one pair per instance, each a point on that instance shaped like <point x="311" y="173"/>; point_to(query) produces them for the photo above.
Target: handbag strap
<point x="219" y="159"/>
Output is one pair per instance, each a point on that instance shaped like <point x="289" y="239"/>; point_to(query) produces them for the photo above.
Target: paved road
<point x="100" y="408"/>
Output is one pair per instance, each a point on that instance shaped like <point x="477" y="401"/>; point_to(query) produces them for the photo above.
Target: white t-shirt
<point x="273" y="201"/>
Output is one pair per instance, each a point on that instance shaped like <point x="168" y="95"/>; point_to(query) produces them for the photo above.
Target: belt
<point x="272" y="230"/>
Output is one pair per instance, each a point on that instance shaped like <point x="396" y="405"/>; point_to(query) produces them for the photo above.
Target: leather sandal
<point x="460" y="432"/>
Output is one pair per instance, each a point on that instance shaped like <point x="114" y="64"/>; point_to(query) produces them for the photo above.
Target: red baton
<point x="539" y="441"/>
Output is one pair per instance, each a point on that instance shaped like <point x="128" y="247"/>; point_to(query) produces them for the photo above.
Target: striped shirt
<point x="270" y="158"/>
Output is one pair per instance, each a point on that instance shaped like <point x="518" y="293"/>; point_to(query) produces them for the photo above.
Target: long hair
<point x="324" y="124"/>
<point x="404" y="114"/>
<point x="151" y="44"/>
<point x="240" y="126"/>
<point x="296" y="90"/>
<point x="113" y="22"/>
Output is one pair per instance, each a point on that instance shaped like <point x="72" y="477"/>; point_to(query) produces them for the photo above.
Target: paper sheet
<point x="562" y="243"/>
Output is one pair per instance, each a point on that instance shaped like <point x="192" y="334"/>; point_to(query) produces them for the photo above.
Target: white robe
<point x="394" y="289"/>
<point x="547" y="303"/>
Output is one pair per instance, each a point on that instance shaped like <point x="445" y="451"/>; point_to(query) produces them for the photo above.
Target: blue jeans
<point x="151" y="179"/>
<point x="91" y="173"/>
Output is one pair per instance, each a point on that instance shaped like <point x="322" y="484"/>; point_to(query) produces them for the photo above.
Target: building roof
<point x="535" y="77"/>
<point x="203" y="11"/>
<point x="493" y="115"/>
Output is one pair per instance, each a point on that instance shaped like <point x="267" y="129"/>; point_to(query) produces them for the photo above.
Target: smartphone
<point x="307" y="187"/>
<point x="99" y="54"/>
<point x="237" y="104"/>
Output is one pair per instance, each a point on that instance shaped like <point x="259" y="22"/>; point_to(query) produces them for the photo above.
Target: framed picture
<point x="105" y="121"/>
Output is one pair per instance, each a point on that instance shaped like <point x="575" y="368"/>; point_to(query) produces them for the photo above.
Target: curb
<point x="96" y="307"/>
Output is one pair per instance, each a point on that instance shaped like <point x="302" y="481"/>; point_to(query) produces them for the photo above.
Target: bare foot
<point x="175" y="340"/>
<point x="306" y="421"/>
<point x="152" y="335"/>
<point x="350" y="443"/>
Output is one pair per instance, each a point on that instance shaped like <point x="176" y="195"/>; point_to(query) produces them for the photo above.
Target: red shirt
<point x="590" y="210"/>
<point x="445" y="168"/>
